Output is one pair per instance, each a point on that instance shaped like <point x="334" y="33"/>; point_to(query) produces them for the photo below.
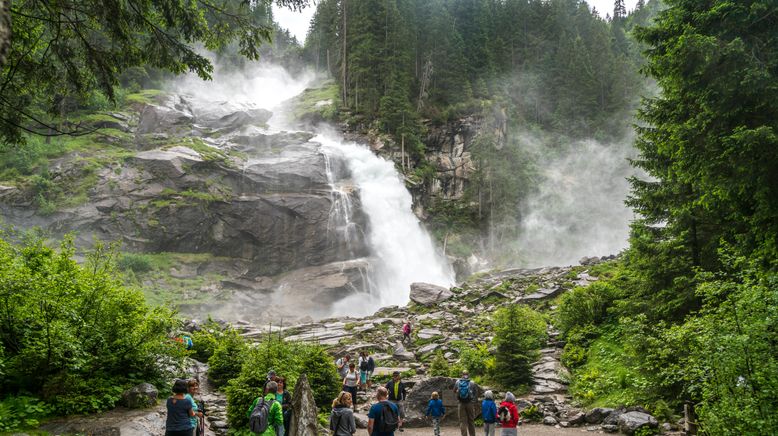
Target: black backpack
<point x="363" y="366"/>
<point x="504" y="414"/>
<point x="258" y="421"/>
<point x="390" y="420"/>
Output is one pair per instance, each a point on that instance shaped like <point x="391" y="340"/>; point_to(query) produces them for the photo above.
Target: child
<point x="489" y="413"/>
<point x="436" y="410"/>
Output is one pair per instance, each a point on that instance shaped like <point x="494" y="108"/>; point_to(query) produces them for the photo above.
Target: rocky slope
<point x="180" y="174"/>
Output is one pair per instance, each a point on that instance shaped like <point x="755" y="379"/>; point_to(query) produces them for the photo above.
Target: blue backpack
<point x="464" y="390"/>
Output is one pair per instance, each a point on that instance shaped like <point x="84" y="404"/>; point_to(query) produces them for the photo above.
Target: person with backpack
<point x="384" y="416"/>
<point x="342" y="421"/>
<point x="363" y="365"/>
<point x="407" y="332"/>
<point x="370" y="369"/>
<point x="465" y="392"/>
<point x="179" y="411"/>
<point x="508" y="415"/>
<point x="396" y="394"/>
<point x="265" y="413"/>
<point x="198" y="420"/>
<point x="436" y="411"/>
<point x="350" y="382"/>
<point x="489" y="413"/>
<point x="342" y="365"/>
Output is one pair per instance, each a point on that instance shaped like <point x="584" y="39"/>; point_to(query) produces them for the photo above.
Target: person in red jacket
<point x="508" y="415"/>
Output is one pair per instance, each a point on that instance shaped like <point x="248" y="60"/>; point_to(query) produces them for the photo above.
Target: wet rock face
<point x="268" y="205"/>
<point x="427" y="294"/>
<point x="140" y="396"/>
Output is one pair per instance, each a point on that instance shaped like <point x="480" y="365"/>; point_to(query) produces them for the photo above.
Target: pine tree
<point x="619" y="10"/>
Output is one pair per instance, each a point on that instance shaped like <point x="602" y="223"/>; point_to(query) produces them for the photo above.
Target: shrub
<point x="519" y="334"/>
<point x="532" y="413"/>
<point x="22" y="412"/>
<point x="439" y="365"/>
<point x="477" y="360"/>
<point x="73" y="335"/>
<point x="288" y="359"/>
<point x="585" y="305"/>
<point x="227" y="358"/>
<point x="137" y="263"/>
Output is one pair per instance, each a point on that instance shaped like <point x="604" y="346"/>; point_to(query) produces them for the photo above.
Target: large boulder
<point x="597" y="415"/>
<point x="140" y="396"/>
<point x="305" y="421"/>
<point x="417" y="400"/>
<point x="631" y="421"/>
<point x="427" y="294"/>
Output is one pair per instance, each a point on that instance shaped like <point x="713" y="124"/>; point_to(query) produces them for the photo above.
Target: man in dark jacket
<point x="396" y="390"/>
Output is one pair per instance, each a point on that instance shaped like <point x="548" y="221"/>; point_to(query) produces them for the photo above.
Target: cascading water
<point x="402" y="250"/>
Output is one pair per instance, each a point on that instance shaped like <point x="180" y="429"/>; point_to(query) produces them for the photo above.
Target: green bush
<point x="288" y="359"/>
<point x="137" y="263"/>
<point x="73" y="335"/>
<point x="532" y="413"/>
<point x="22" y="412"/>
<point x="585" y="306"/>
<point x="520" y="332"/>
<point x="227" y="358"/>
<point x="477" y="360"/>
<point x="439" y="365"/>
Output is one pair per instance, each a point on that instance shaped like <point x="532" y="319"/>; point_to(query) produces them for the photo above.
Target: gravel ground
<point x="524" y="430"/>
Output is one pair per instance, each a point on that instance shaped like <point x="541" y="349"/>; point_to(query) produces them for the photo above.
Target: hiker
<point x="271" y="376"/>
<point x="342" y="417"/>
<point x="350" y="382"/>
<point x="465" y="392"/>
<point x="179" y="411"/>
<point x="342" y="365"/>
<point x="363" y="365"/>
<point x="370" y="369"/>
<point x="198" y="421"/>
<point x="396" y="394"/>
<point x="265" y="412"/>
<point x="407" y="332"/>
<point x="384" y="416"/>
<point x="436" y="411"/>
<point x="489" y="413"/>
<point x="285" y="398"/>
<point x="508" y="415"/>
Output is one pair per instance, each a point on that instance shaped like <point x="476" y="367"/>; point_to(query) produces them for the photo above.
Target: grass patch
<point x="318" y="102"/>
<point x="146" y="96"/>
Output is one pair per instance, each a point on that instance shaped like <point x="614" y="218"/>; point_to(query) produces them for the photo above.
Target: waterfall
<point x="402" y="251"/>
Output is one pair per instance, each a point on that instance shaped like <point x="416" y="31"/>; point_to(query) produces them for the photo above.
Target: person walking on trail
<point x="271" y="376"/>
<point x="396" y="394"/>
<point x="508" y="415"/>
<point x="464" y="389"/>
<point x="198" y="420"/>
<point x="384" y="416"/>
<point x="370" y="369"/>
<point x="342" y="421"/>
<point x="436" y="411"/>
<point x="407" y="332"/>
<point x="179" y="411"/>
<point x="285" y="398"/>
<point x="266" y="410"/>
<point x="342" y="365"/>
<point x="362" y="370"/>
<point x="489" y="413"/>
<point x="350" y="382"/>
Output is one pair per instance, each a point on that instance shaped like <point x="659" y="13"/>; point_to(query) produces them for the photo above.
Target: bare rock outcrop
<point x="305" y="421"/>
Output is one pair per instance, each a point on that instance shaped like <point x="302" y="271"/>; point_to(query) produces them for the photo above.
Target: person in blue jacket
<point x="489" y="413"/>
<point x="436" y="411"/>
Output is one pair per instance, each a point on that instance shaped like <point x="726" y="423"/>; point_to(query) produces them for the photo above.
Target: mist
<point x="576" y="208"/>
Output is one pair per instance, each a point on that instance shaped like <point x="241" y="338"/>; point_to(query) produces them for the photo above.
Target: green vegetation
<point x="287" y="359"/>
<point x="72" y="337"/>
<point x="519" y="333"/>
<point x="317" y="104"/>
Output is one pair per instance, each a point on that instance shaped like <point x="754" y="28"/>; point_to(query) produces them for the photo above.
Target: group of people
<point x="506" y="415"/>
<point x="271" y="413"/>
<point x="354" y="379"/>
<point x="185" y="415"/>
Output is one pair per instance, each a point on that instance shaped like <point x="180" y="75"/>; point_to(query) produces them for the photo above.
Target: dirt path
<point x="524" y="430"/>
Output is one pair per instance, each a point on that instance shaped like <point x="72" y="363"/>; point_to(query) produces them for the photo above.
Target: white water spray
<point x="403" y="252"/>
